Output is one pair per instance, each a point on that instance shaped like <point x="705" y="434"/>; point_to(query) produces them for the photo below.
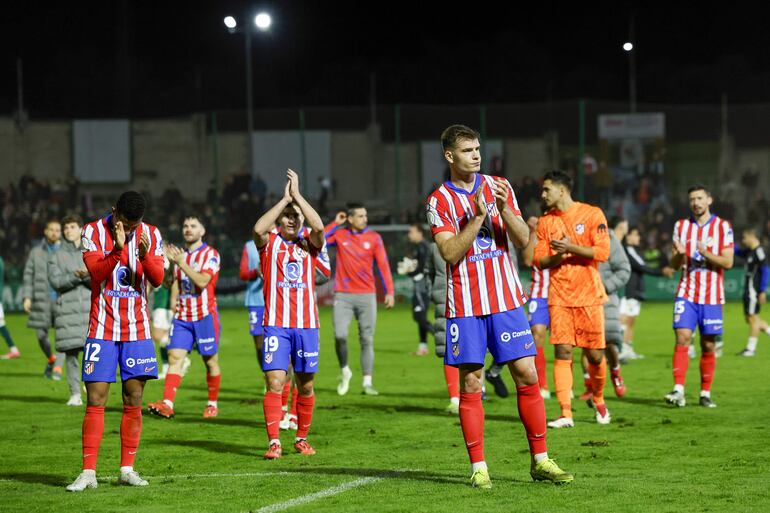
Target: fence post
<point x="581" y="148"/>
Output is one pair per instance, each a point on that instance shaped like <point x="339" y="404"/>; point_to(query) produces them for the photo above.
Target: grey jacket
<point x="436" y="271"/>
<point x="36" y="288"/>
<point x="615" y="273"/>
<point x="72" y="307"/>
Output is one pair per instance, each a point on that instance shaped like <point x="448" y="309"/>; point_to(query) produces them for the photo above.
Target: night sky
<point x="140" y="59"/>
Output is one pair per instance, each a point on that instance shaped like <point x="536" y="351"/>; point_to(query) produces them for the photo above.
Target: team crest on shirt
<point x="492" y="209"/>
<point x="580" y="228"/>
<point x="268" y="357"/>
<point x="293" y="271"/>
<point x="455" y="349"/>
<point x="367" y="245"/>
<point x="299" y="253"/>
<point x="88" y="368"/>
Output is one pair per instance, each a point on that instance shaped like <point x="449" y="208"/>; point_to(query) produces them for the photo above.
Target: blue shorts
<point x="203" y="334"/>
<point x="688" y="315"/>
<point x="507" y="336"/>
<point x="102" y="357"/>
<point x="256" y="313"/>
<point x="299" y="344"/>
<point x="538" y="312"/>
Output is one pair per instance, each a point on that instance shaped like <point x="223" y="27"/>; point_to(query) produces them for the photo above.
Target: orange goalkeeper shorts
<point x="581" y="326"/>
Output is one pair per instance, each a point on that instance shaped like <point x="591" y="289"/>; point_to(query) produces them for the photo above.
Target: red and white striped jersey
<point x="288" y="270"/>
<point x="120" y="281"/>
<point x="485" y="281"/>
<point x="194" y="303"/>
<point x="541" y="280"/>
<point x="701" y="282"/>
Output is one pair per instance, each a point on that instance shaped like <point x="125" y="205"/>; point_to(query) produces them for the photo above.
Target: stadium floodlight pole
<point x="262" y="23"/>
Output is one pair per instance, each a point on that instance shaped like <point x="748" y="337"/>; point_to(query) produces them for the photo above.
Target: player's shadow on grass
<point x="647" y="401"/>
<point x="411" y="475"/>
<point x="53" y="480"/>
<point x="225" y="421"/>
<point x="411" y="409"/>
<point x="211" y="446"/>
<point x="32" y="399"/>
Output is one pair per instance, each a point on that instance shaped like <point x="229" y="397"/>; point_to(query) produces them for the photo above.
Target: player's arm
<point x="724" y="259"/>
<point x="150" y="261"/>
<point x="100" y="267"/>
<point x="515" y="226"/>
<point x="244" y="273"/>
<point x="29" y="275"/>
<point x="453" y="247"/>
<point x="173" y="296"/>
<point x="528" y="253"/>
<point x="330" y="230"/>
<point x="200" y="278"/>
<point x="726" y="256"/>
<point x="312" y="219"/>
<point x="264" y="224"/>
<point x="381" y="257"/>
<point x="543" y="255"/>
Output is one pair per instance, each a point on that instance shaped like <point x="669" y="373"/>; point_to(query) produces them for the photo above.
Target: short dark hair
<point x="194" y="216"/>
<point x="698" y="187"/>
<point x="560" y="177"/>
<point x="131" y="205"/>
<point x="353" y="205"/>
<point x="634" y="227"/>
<point x="615" y="221"/>
<point x="454" y="133"/>
<point x="72" y="218"/>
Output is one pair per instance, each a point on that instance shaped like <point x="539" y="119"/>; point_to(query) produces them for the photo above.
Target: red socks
<point x="169" y="387"/>
<point x="93" y="429"/>
<point x="130" y="432"/>
<point x="532" y="415"/>
<point x="540" y="365"/>
<point x="293" y="407"/>
<point x="285" y="394"/>
<point x="213" y="384"/>
<point x="681" y="361"/>
<point x="598" y="377"/>
<point x="452" y="377"/>
<point x="271" y="406"/>
<point x="708" y="364"/>
<point x="305" y="407"/>
<point x="472" y="423"/>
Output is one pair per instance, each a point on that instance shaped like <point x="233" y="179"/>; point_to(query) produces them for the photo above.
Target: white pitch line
<point x="304" y="499"/>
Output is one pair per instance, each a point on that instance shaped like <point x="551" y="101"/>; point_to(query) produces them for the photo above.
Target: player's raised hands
<point x="144" y="245"/>
<point x="501" y="191"/>
<point x="478" y="199"/>
<point x="293" y="183"/>
<point x="174" y="254"/>
<point x="120" y="235"/>
<point x="340" y="218"/>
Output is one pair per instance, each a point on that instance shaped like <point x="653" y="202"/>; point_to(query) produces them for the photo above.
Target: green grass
<point x="651" y="458"/>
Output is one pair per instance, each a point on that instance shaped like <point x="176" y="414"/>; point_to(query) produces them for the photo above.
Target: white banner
<point x="632" y="126"/>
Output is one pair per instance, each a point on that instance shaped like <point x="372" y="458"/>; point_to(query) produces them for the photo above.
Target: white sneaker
<point x="186" y="365"/>
<point x="452" y="408"/>
<point x="545" y="393"/>
<point x="163" y="371"/>
<point x="603" y="419"/>
<point x="746" y="352"/>
<point x="288" y="421"/>
<point x="132" y="479"/>
<point x="562" y="422"/>
<point x="75" y="400"/>
<point x="86" y="479"/>
<point x="344" y="384"/>
<point x="676" y="398"/>
<point x="719" y="348"/>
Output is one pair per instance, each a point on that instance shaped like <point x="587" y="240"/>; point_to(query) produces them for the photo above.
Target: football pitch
<point x="398" y="451"/>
